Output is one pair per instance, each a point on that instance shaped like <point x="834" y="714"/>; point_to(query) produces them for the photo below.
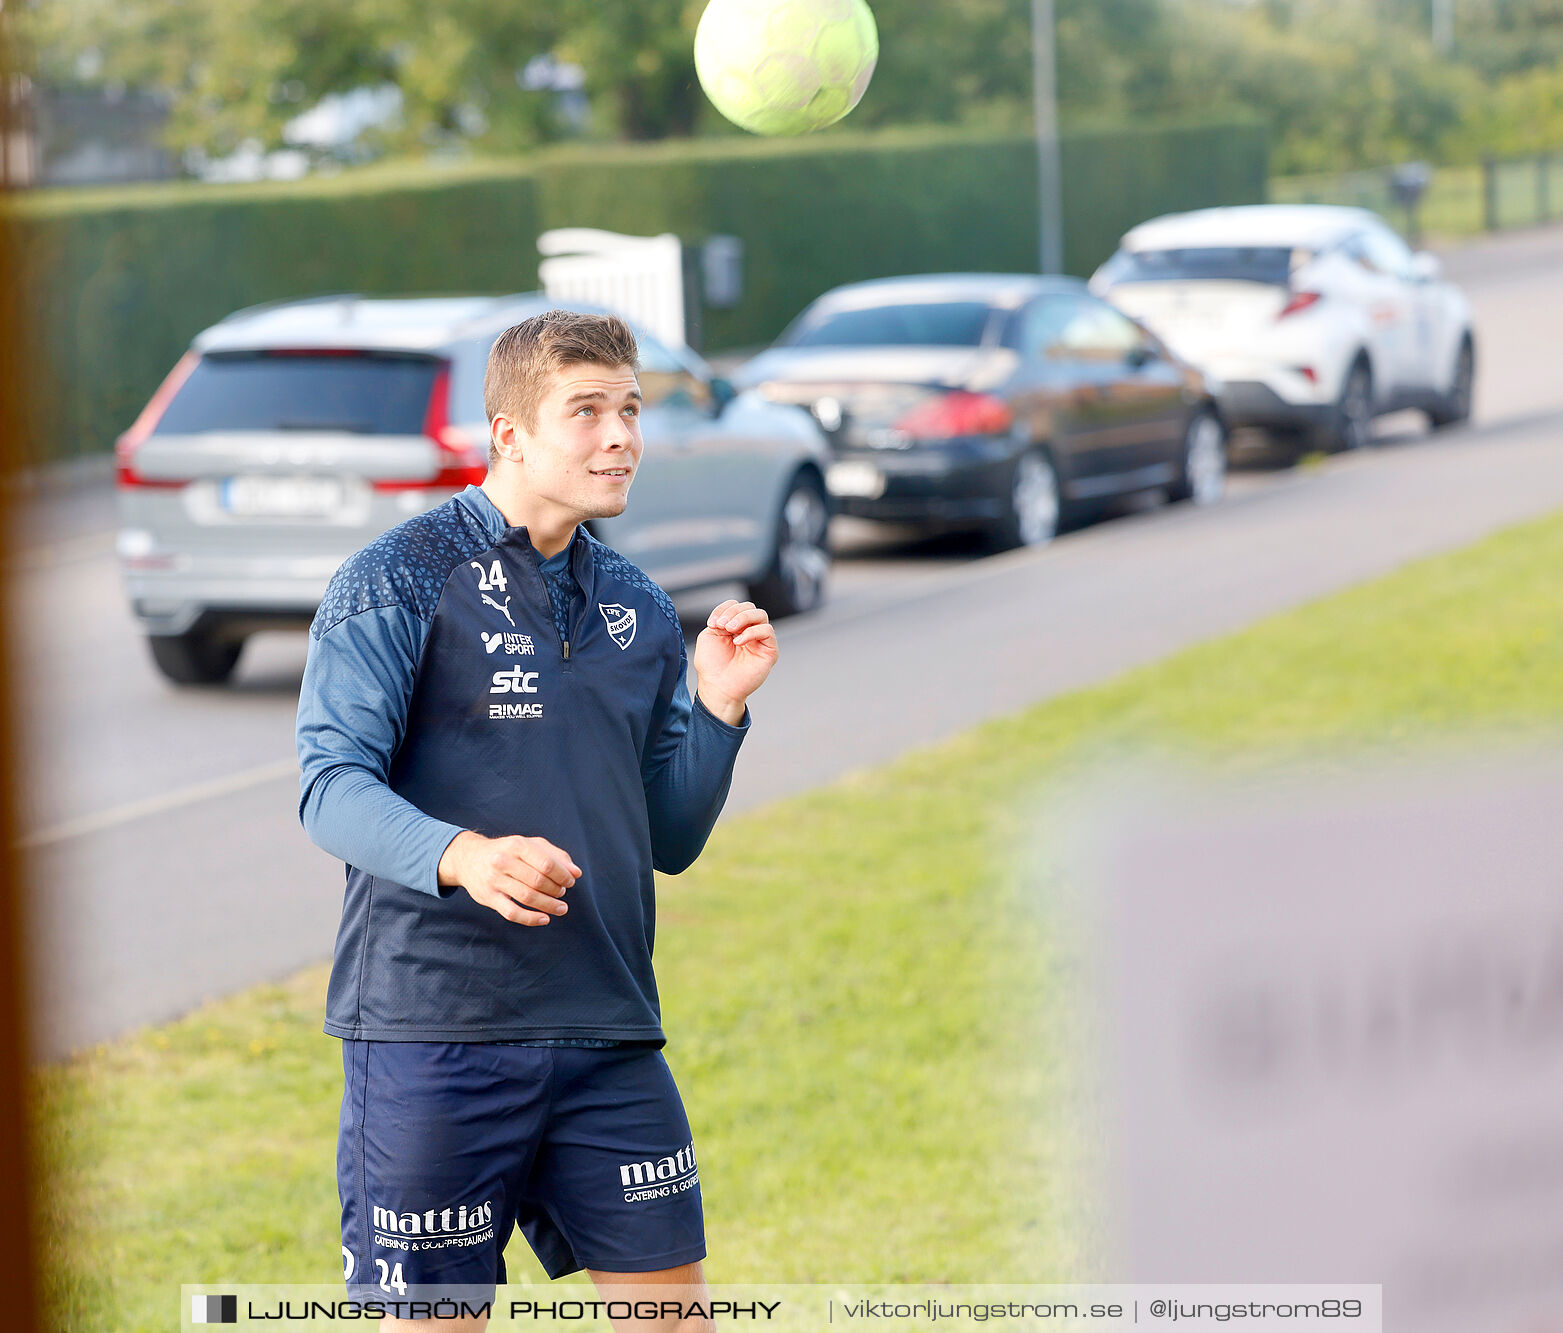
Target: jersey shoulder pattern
<point x="610" y="563"/>
<point x="405" y="566"/>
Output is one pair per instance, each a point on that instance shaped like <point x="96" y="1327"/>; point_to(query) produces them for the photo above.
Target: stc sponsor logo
<point x="514" y="681"/>
<point x="512" y="645"/>
<point x="660" y="1178"/>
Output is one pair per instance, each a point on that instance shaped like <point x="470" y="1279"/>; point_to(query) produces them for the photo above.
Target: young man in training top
<point x="496" y="736"/>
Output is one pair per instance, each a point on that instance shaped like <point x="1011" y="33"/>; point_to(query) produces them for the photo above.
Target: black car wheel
<point x="196" y="658"/>
<point x="794" y="582"/>
<point x="1351" y="423"/>
<point x="1202" y="473"/>
<point x="1030" y="508"/>
<point x="1455" y="406"/>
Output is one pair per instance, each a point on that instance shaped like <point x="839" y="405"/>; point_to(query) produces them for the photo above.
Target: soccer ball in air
<point x="785" y="66"/>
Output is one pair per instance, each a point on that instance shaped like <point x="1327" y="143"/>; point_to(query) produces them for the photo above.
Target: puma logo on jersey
<point x="503" y="610"/>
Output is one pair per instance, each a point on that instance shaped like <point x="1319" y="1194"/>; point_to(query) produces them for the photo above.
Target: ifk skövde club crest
<point x="620" y="621"/>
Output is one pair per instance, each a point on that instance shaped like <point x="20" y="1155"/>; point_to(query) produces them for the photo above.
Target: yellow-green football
<point x="785" y="66"/>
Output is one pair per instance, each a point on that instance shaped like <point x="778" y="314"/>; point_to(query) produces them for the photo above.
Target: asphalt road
<point x="165" y="863"/>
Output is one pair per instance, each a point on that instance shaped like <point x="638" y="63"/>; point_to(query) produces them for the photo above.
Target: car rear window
<point x="366" y="393"/>
<point x="1229" y="263"/>
<point x="926" y="324"/>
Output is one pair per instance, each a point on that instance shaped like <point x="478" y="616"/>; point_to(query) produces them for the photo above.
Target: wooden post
<point x="1490" y="193"/>
<point x="16" y="1179"/>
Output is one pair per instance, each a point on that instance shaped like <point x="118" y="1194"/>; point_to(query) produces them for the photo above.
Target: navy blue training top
<point x="439" y="695"/>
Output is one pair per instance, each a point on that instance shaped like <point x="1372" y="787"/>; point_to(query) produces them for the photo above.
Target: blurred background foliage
<point x="1339" y="83"/>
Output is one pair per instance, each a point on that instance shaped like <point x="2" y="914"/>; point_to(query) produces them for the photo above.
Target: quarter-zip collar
<point x="476" y="501"/>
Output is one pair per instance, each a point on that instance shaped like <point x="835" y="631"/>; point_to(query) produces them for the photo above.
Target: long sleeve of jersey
<point x="687" y="772"/>
<point x="352" y="715"/>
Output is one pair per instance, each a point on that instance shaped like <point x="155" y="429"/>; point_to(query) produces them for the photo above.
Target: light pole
<point x="1443" y="26"/>
<point x="1050" y="215"/>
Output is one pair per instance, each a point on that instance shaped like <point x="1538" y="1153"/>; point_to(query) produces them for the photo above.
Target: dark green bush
<point x="121" y="280"/>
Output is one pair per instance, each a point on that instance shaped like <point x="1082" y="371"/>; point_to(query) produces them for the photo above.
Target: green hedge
<point x="120" y="283"/>
<point x="813" y="215"/>
<point x="121" y="279"/>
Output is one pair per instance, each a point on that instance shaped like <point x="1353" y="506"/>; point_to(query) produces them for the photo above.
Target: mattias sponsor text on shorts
<point x="660" y="1178"/>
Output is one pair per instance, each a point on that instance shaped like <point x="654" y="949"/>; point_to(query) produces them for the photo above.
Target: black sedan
<point x="996" y="401"/>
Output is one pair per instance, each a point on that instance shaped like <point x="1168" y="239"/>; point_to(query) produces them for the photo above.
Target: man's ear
<point x="502" y="432"/>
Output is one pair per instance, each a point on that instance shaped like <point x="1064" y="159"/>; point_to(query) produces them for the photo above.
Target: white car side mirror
<point x="1425" y="267"/>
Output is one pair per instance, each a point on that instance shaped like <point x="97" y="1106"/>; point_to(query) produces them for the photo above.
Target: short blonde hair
<point x="525" y="355"/>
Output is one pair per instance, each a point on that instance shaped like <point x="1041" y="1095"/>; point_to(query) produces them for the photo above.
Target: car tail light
<point x="126" y="445"/>
<point x="462" y="462"/>
<point x="1299" y="301"/>
<point x="957" y="413"/>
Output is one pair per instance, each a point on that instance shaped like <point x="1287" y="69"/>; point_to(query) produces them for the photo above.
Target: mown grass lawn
<point x="851" y="981"/>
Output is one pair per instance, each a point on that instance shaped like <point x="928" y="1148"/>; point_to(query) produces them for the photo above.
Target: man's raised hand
<point x="733" y="656"/>
<point x="523" y="879"/>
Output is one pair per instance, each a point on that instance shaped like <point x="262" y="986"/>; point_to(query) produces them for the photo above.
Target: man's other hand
<point x="523" y="879"/>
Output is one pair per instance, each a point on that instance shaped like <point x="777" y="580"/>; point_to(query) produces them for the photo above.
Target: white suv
<point x="1310" y="318"/>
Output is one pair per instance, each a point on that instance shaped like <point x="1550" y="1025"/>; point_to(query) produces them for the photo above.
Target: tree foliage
<point x="1341" y="82"/>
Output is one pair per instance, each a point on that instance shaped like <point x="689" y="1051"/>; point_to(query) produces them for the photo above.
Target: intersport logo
<point x="512" y="645"/>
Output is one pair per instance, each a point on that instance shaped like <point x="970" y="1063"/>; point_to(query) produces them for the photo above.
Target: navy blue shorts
<point x="444" y="1146"/>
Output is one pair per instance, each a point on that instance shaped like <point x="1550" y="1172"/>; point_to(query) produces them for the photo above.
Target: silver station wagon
<point x="291" y="434"/>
